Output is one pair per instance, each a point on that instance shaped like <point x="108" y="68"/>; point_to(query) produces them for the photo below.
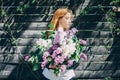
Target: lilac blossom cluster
<point x="62" y="51"/>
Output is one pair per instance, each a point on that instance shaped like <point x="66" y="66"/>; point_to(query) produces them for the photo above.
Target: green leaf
<point x="36" y="67"/>
<point x="57" y="71"/>
<point x="36" y="59"/>
<point x="75" y="39"/>
<point x="50" y="25"/>
<point x="80" y="48"/>
<point x="51" y="37"/>
<point x="26" y="5"/>
<point x="110" y="19"/>
<point x="33" y="1"/>
<point x="90" y="7"/>
<point x="32" y="53"/>
<point x="43" y="35"/>
<point x="3" y="13"/>
<point x="51" y="33"/>
<point x="83" y="12"/>
<point x="31" y="60"/>
<point x="111" y="3"/>
<point x="20" y="9"/>
<point x="100" y="6"/>
<point x="38" y="46"/>
<point x="114" y="2"/>
<point x="108" y="78"/>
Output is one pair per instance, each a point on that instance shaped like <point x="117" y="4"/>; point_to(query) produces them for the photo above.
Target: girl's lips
<point x="69" y="24"/>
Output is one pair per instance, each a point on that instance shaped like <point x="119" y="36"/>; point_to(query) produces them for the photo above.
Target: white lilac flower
<point x="59" y="37"/>
<point x="66" y="51"/>
<point x="44" y="43"/>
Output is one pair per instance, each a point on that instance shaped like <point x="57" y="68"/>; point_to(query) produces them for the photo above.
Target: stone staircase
<point x="19" y="39"/>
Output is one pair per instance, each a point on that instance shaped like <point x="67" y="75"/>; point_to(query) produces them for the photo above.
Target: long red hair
<point x="59" y="13"/>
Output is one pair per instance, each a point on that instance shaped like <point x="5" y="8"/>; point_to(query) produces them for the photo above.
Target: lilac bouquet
<point x="58" y="51"/>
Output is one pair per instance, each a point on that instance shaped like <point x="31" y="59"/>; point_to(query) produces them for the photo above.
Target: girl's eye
<point x="67" y="17"/>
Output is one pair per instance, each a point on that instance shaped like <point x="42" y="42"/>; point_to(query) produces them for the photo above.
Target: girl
<point x="61" y="21"/>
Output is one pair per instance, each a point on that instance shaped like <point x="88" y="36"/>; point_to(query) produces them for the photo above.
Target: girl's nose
<point x="70" y="21"/>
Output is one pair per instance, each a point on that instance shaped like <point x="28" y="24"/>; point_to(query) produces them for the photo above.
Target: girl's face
<point x="65" y="21"/>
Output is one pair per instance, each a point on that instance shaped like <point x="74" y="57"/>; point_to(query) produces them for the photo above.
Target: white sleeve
<point x="67" y="75"/>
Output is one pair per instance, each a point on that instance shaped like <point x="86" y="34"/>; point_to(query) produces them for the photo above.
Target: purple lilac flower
<point x="54" y="55"/>
<point x="83" y="42"/>
<point x="27" y="57"/>
<point x="55" y="46"/>
<point x="59" y="59"/>
<point x="83" y="56"/>
<point x="44" y="64"/>
<point x="45" y="55"/>
<point x="69" y="33"/>
<point x="50" y="50"/>
<point x="74" y="30"/>
<point x="70" y="62"/>
<point x="63" y="68"/>
<point x="56" y="60"/>
<point x="58" y="50"/>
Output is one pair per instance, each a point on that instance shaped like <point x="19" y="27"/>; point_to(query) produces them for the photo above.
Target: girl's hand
<point x="52" y="66"/>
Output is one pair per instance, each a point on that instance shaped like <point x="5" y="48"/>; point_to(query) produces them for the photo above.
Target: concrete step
<point x="32" y="41"/>
<point x="103" y="26"/>
<point x="97" y="74"/>
<point x="90" y="50"/>
<point x="18" y="72"/>
<point x="57" y="2"/>
<point x="87" y="66"/>
<point x="93" y="49"/>
<point x="37" y="9"/>
<point x="36" y="34"/>
<point x="48" y="17"/>
<point x="9" y="55"/>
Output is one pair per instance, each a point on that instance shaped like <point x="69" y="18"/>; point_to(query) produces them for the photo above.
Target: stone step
<point x="93" y="25"/>
<point x="93" y="9"/>
<point x="90" y="50"/>
<point x="97" y="74"/>
<point x="93" y="60"/>
<point x="48" y="17"/>
<point x="87" y="66"/>
<point x="51" y="14"/>
<point x="103" y="26"/>
<point x="22" y="73"/>
<point x="94" y="34"/>
<point x="32" y="41"/>
<point x="98" y="55"/>
<point x="96" y="66"/>
<point x="36" y="34"/>
<point x="55" y="7"/>
<point x="57" y="2"/>
<point x="97" y="2"/>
